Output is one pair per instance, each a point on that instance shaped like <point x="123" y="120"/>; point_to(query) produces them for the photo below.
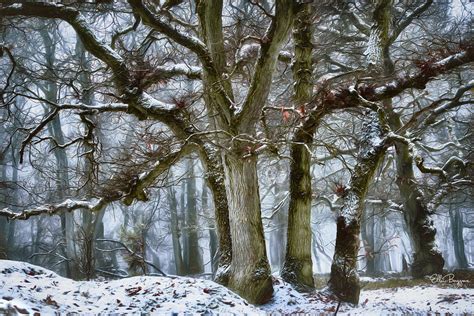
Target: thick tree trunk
<point x="298" y="266"/>
<point x="250" y="274"/>
<point x="427" y="259"/>
<point x="344" y="279"/>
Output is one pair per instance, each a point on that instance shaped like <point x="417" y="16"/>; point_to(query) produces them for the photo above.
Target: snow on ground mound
<point x="25" y="288"/>
<point x="417" y="300"/>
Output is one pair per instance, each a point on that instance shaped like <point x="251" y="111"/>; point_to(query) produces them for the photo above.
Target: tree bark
<point x="298" y="265"/>
<point x="427" y="259"/>
<point x="250" y="274"/>
<point x="344" y="279"/>
<point x="214" y="170"/>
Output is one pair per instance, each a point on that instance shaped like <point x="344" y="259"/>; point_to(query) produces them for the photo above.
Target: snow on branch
<point x="419" y="161"/>
<point x="74" y="18"/>
<point x="155" y="105"/>
<point x="135" y="190"/>
<point x="52" y="209"/>
<point x="452" y="162"/>
<point x="422" y="77"/>
<point x="110" y="107"/>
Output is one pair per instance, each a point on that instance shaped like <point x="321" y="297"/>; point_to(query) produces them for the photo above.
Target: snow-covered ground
<point x="25" y="288"/>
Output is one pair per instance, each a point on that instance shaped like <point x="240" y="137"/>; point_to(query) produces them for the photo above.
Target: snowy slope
<point x="25" y="288"/>
<point x="28" y="288"/>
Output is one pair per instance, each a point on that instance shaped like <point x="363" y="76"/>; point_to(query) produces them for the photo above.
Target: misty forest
<point x="248" y="156"/>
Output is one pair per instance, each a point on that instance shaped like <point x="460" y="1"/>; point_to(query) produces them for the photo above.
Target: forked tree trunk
<point x="344" y="279"/>
<point x="298" y="266"/>
<point x="250" y="274"/>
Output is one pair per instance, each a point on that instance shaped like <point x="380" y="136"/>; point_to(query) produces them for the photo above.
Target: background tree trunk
<point x="175" y="232"/>
<point x="194" y="258"/>
<point x="456" y="221"/>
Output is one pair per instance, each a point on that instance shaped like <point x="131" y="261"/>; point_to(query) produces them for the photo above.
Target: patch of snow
<point x="152" y="103"/>
<point x="25" y="288"/>
<point x="374" y="51"/>
<point x="248" y="51"/>
<point x="351" y="205"/>
<point x="182" y="68"/>
<point x="33" y="289"/>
